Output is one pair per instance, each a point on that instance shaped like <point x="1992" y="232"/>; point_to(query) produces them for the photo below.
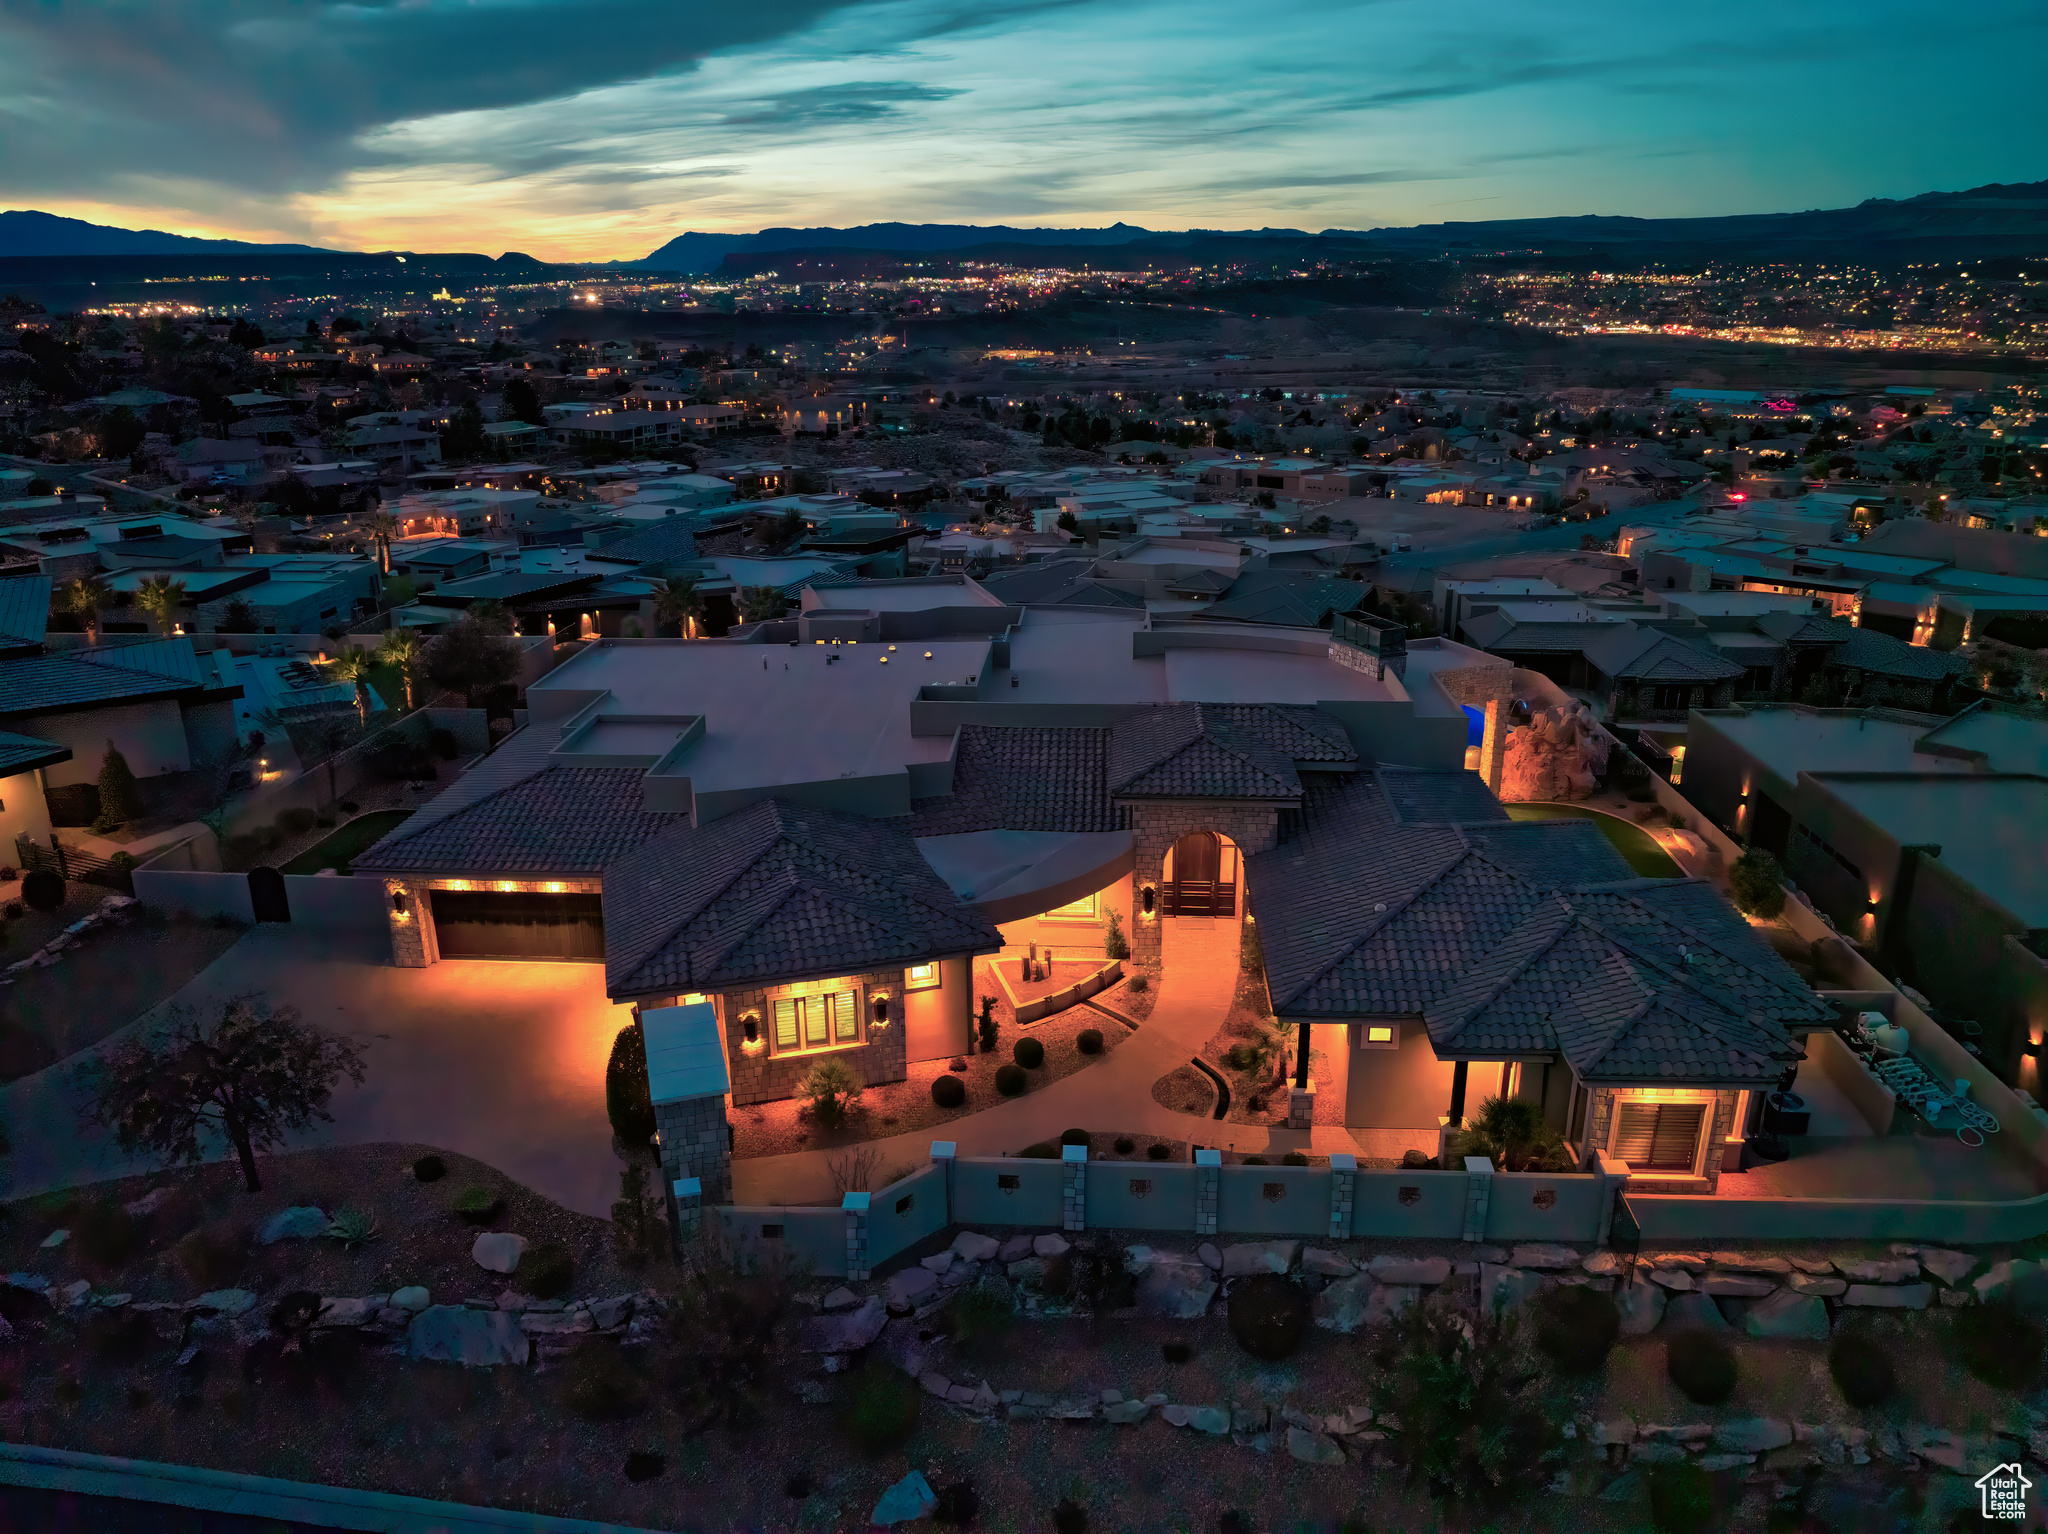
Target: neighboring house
<point x="24" y="804"/>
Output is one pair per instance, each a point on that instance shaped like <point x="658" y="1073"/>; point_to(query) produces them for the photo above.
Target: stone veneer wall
<point x="766" y="1076"/>
<point x="1157" y="824"/>
<point x="696" y="1142"/>
<point x="1723" y="1124"/>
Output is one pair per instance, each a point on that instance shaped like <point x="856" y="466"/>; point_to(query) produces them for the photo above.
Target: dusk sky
<point x="597" y="128"/>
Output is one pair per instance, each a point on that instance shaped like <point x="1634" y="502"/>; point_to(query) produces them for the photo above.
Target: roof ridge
<point x="1692" y="934"/>
<point x="1393" y="909"/>
<point x="1556" y="914"/>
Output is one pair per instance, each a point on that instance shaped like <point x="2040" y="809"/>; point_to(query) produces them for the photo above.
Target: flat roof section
<point x="1978" y="822"/>
<point x="1267" y="676"/>
<point x="2010" y="742"/>
<point x="1788" y="741"/>
<point x="1069" y="657"/>
<point x="901" y="596"/>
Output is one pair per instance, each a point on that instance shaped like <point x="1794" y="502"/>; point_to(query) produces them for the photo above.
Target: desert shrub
<point x="478" y="1205"/>
<point x="881" y="1409"/>
<point x="1124" y="1145"/>
<point x="119" y="1336"/>
<point x="1089" y="1041"/>
<point x="43" y="889"/>
<point x="1451" y="1391"/>
<point x="1069" y="1517"/>
<point x="353" y="1227"/>
<point x="1294" y="1158"/>
<point x="1267" y="1315"/>
<point x="985" y="1026"/>
<point x="643" y="1466"/>
<point x="949" y="1091"/>
<point x="981" y="1315"/>
<point x="212" y="1256"/>
<point x="1159" y="1150"/>
<point x="1176" y="1352"/>
<point x="1513" y="1134"/>
<point x="1044" y="1150"/>
<point x="15" y="910"/>
<point x="1998" y="1345"/>
<point x="296" y="821"/>
<point x="602" y="1385"/>
<point x="1029" y="1053"/>
<point x="1702" y="1366"/>
<point x="832" y="1091"/>
<point x="1862" y="1370"/>
<point x="958" y="1504"/>
<point x="1074" y="1137"/>
<point x="1681" y="1499"/>
<point x="430" y="1169"/>
<point x="628" y="1102"/>
<point x="1011" y="1080"/>
<point x="1757" y="883"/>
<point x="547" y="1271"/>
<point x="1140" y="983"/>
<point x="1256" y="1161"/>
<point x="1575" y="1326"/>
<point x="104" y="1233"/>
<point x="1114" y="944"/>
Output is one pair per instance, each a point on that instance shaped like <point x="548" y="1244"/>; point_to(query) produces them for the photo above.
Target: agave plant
<point x="352" y="1227"/>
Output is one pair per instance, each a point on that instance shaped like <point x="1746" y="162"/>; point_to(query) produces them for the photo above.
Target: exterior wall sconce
<point x="751" y="1042"/>
<point x="401" y="908"/>
<point x="878" y="1011"/>
<point x="1150" y="898"/>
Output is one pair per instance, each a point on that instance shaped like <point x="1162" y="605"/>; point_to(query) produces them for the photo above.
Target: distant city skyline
<point x="599" y="129"/>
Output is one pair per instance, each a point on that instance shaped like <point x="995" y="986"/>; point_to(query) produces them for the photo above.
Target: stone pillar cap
<point x="945" y="1150"/>
<point x="1073" y="1153"/>
<point x="854" y="1201"/>
<point x="1343" y="1161"/>
<point x="1208" y="1158"/>
<point x="688" y="1187"/>
<point x="1479" y="1164"/>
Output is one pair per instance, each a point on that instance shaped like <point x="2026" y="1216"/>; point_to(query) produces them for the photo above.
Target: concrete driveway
<point x="500" y="1061"/>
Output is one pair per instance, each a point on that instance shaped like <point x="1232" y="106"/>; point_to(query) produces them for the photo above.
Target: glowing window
<point x="921" y="977"/>
<point x="1379" y="1036"/>
<point x="1077" y="910"/>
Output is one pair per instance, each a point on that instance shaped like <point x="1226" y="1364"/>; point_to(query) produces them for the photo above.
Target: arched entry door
<point x="1200" y="884"/>
<point x="267" y="898"/>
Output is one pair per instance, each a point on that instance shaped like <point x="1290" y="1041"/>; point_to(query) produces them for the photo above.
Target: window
<point x="906" y="1203"/>
<point x="1662" y="1137"/>
<point x="816" y="1022"/>
<point x="1379" y="1036"/>
<point x="921" y="977"/>
<point x="1076" y="910"/>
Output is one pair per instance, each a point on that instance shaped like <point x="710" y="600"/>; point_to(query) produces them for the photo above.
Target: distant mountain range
<point x="1983" y="222"/>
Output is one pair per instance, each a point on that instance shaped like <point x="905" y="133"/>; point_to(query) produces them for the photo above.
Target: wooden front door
<point x="1198" y="887"/>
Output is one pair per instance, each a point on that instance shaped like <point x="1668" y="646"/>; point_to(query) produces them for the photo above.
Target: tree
<point x="212" y="785"/>
<point x="160" y="597"/>
<point x="85" y="598"/>
<point x="381" y="528"/>
<point x="1757" y="883"/>
<point x="118" y="801"/>
<point x="761" y="604"/>
<point x="519" y="402"/>
<point x="464" y="435"/>
<point x="252" y="1077"/>
<point x="238" y="617"/>
<point x="353" y="666"/>
<point x="1513" y="1134"/>
<point x="471" y="657"/>
<point x="678" y="601"/>
<point x="121" y="432"/>
<point x="401" y="649"/>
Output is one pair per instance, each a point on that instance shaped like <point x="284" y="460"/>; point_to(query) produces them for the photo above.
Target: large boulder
<point x="1244" y="1258"/>
<point x="972" y="1246"/>
<point x="455" y="1334"/>
<point x="908" y="1289"/>
<point x="847" y="1332"/>
<point x="909" y="1499"/>
<point x="1788" y="1314"/>
<point x="1175" y="1286"/>
<point x="1016" y="1249"/>
<point x="1751" y="1435"/>
<point x="300" y="1224"/>
<point x="1503" y="1288"/>
<point x="1890" y="1296"/>
<point x="1880" y="1270"/>
<point x="2018" y="1282"/>
<point x="412" y="1297"/>
<point x="1329" y="1264"/>
<point x="1388" y="1301"/>
<point x="1642" y="1307"/>
<point x="1677" y="1280"/>
<point x="1313" y="1448"/>
<point x="498" y="1250"/>
<point x="1694" y="1312"/>
<point x="1051" y="1244"/>
<point x="1426" y="1271"/>
<point x="1749" y="1262"/>
<point x="1949" y="1267"/>
<point x="1738" y="1286"/>
<point x="1341" y="1307"/>
<point x="1823" y="1288"/>
<point x="1553" y="1259"/>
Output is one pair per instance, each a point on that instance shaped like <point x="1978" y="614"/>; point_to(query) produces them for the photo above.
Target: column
<point x="855" y="1207"/>
<point x="1493" y="745"/>
<point x="686" y="1211"/>
<point x="412" y="936"/>
<point x="1208" y="1190"/>
<point x="696" y="1142"/>
<point x="1614" y="1176"/>
<point x="1074" y="1187"/>
<point x="945" y="1153"/>
<point x="1343" y="1176"/>
<point x="1478" y="1196"/>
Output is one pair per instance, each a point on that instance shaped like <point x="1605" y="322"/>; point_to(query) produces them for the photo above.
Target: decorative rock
<point x="1656" y="1454"/>
<point x="512" y="1299"/>
<point x="456" y="1334"/>
<point x="985" y="1398"/>
<point x="498" y="1251"/>
<point x="413" y="1297"/>
<point x="1642" y="1307"/>
<point x="2017" y="1281"/>
<point x="1603" y="1264"/>
<point x="1330" y="1264"/>
<point x="1936" y="1445"/>
<point x="1249" y="1419"/>
<point x="1689" y="1262"/>
<point x="1714" y="1463"/>
<point x="1554" y="1259"/>
<point x="344" y="1312"/>
<point x="1788" y="1314"/>
<point x="1742" y="1262"/>
<point x="55" y="1239"/>
<point x="1208" y="1419"/>
<point x="1244" y="1258"/>
<point x="1736" y="1286"/>
<point x="1388" y="1301"/>
<point x="972" y="1246"/>
<point x="1049" y="1245"/>
<point x="932" y="1383"/>
<point x="1177" y="1287"/>
<point x="1342" y="1306"/>
<point x="960" y="1395"/>
<point x="1949" y="1267"/>
<point x="1881" y="1270"/>
<point x="34" y="1281"/>
<point x="1681" y="1433"/>
<point x="1210" y="1255"/>
<point x="1621" y="1432"/>
<point x="110" y="1301"/>
<point x="1677" y="1280"/>
<point x="909" y="1288"/>
<point x="615" y="1311"/>
<point x="226" y="1302"/>
<point x="1016" y="1249"/>
<point x="848" y="1332"/>
<point x="1824" y="1288"/>
<point x="1694" y="1310"/>
<point x="299" y="1224"/>
<point x="1955" y="1299"/>
<point x="1820" y="1267"/>
<point x="1488" y="1254"/>
<point x="74" y="1293"/>
<point x="560" y="1323"/>
<point x="147" y="1204"/>
<point x="1126" y="1413"/>
<point x="841" y="1298"/>
<point x="910" y="1498"/>
<point x="394" y="1318"/>
<point x="1890" y="1296"/>
<point x="1426" y="1271"/>
<point x="1313" y="1448"/>
<point x="1751" y="1435"/>
<point x="940" y="1263"/>
<point x="1503" y="1289"/>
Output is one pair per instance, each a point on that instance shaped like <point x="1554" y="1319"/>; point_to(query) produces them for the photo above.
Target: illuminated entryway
<point x="1200" y="876"/>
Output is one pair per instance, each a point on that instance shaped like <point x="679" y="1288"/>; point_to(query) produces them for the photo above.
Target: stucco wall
<point x="1543" y="1206"/>
<point x="935" y="1020"/>
<point x="150" y="735"/>
<point x="195" y="894"/>
<point x="1274" y="1201"/>
<point x="1141" y="1195"/>
<point x="23" y="810"/>
<point x="1952" y="944"/>
<point x="1032" y="1197"/>
<point x="905" y="1212"/>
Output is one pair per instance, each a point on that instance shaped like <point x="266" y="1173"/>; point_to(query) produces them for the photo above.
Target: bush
<point x="1069" y="1517"/>
<point x="430" y="1169"/>
<point x="1011" y="1080"/>
<point x="1074" y="1137"/>
<point x="1114" y="944"/>
<point x="1256" y="1161"/>
<point x="1089" y="1041"/>
<point x="1998" y="1345"/>
<point x="1267" y="1316"/>
<point x="1140" y="983"/>
<point x="1702" y="1366"/>
<point x="882" y="1409"/>
<point x="477" y="1205"/>
<point x="1294" y="1158"/>
<point x="1044" y="1150"/>
<point x="958" y="1504"/>
<point x="43" y="889"/>
<point x="628" y="1102"/>
<point x="16" y="910"/>
<point x="832" y="1089"/>
<point x="212" y="1256"/>
<point x="1124" y="1145"/>
<point x="547" y="1271"/>
<point x="985" y="1028"/>
<point x="105" y="1234"/>
<point x="1029" y="1053"/>
<point x="981" y="1315"/>
<point x="1862" y="1369"/>
<point x="1757" y="883"/>
<point x="602" y="1384"/>
<point x="1575" y="1326"/>
<point x="442" y="743"/>
<point x="296" y="821"/>
<point x="1159" y="1150"/>
<point x="1681" y="1499"/>
<point x="1176" y="1352"/>
<point x="949" y="1091"/>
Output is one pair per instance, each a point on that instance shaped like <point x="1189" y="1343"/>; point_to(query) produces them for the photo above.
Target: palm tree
<point x="401" y="650"/>
<point x="84" y="598"/>
<point x="160" y="597"/>
<point x="678" y="601"/>
<point x="353" y="666"/>
<point x="382" y="527"/>
<point x="759" y="604"/>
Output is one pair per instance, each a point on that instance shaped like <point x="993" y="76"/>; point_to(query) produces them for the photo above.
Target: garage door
<point x="479" y="924"/>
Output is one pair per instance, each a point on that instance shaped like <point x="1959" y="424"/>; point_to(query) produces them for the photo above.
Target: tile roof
<point x="1653" y="655"/>
<point x="19" y="753"/>
<point x="1285" y="597"/>
<point x="24" y="609"/>
<point x="1193" y="751"/>
<point x="777" y="892"/>
<point x="1498" y="632"/>
<point x="1398" y="896"/>
<point x="1867" y="650"/>
<point x="39" y="684"/>
<point x="1023" y="779"/>
<point x="668" y="541"/>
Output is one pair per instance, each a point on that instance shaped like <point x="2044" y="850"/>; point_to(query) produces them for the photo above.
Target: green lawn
<point x="1634" y="843"/>
<point x="334" y="850"/>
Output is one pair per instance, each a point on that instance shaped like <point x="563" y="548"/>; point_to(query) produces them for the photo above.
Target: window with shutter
<point x="814" y="1021"/>
<point x="785" y="1025"/>
<point x="1659" y="1136"/>
<point x="845" y="1021"/>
